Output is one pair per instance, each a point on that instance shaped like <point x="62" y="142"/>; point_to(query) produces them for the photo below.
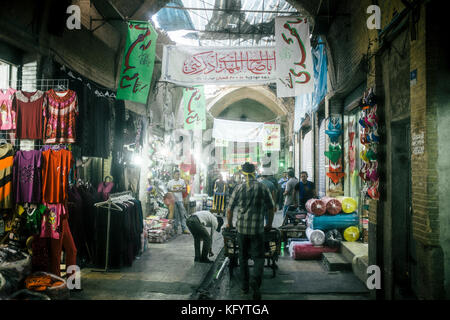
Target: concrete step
<point x="357" y="254"/>
<point x="359" y="267"/>
<point x="335" y="262"/>
<point x="351" y="249"/>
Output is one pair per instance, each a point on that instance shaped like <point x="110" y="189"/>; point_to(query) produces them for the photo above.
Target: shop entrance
<point x="403" y="246"/>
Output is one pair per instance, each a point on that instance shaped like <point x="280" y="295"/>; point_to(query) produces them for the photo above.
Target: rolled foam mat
<point x="307" y="251"/>
<point x="327" y="222"/>
<point x="349" y="205"/>
<point x="316" y="237"/>
<point x="316" y="207"/>
<point x="333" y="205"/>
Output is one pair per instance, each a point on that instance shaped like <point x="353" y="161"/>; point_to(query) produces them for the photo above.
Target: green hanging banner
<point x="194" y="108"/>
<point x="138" y="61"/>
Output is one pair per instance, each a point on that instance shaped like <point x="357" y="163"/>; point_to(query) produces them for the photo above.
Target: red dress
<point x="55" y="175"/>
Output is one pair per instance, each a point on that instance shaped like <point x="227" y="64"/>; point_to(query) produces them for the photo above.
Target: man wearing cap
<point x="199" y="223"/>
<point x="250" y="200"/>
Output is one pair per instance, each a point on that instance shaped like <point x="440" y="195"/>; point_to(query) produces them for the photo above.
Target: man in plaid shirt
<point x="251" y="200"/>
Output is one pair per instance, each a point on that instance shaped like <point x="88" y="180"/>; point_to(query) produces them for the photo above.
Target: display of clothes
<point x="126" y="229"/>
<point x="33" y="196"/>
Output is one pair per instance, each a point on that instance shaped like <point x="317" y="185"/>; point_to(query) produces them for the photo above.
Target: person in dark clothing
<point x="282" y="185"/>
<point x="251" y="200"/>
<point x="305" y="189"/>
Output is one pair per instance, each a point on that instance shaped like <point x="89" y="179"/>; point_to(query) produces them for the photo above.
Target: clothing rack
<point x="111" y="206"/>
<point x="39" y="84"/>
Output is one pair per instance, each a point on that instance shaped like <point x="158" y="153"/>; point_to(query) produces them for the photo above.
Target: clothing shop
<point x="69" y="178"/>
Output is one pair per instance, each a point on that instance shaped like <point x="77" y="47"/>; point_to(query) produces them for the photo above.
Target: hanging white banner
<point x="238" y="131"/>
<point x="295" y="70"/>
<point x="188" y="66"/>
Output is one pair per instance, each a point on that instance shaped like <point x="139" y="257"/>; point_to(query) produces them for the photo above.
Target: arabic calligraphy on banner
<point x="218" y="65"/>
<point x="138" y="62"/>
<point x="194" y="108"/>
<point x="271" y="137"/>
<point x="295" y="73"/>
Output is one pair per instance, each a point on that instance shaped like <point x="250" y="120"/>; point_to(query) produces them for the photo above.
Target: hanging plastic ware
<point x="351" y="234"/>
<point x="317" y="237"/>
<point x="349" y="204"/>
<point x="333" y="205"/>
<point x="316" y="207"/>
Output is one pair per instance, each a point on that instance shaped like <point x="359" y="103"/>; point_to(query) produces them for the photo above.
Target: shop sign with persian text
<point x="218" y="65"/>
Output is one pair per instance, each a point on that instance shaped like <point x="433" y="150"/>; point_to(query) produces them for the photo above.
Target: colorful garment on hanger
<point x="335" y="172"/>
<point x="55" y="175"/>
<point x="373" y="191"/>
<point x="334" y="153"/>
<point x="53" y="147"/>
<point x="34" y="217"/>
<point x="6" y="173"/>
<point x="29" y="107"/>
<point x="334" y="130"/>
<point x="7" y="115"/>
<point x="51" y="220"/>
<point x="352" y="158"/>
<point x="60" y="116"/>
<point x="27" y="176"/>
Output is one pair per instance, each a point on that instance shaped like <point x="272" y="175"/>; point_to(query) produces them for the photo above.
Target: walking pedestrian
<point x="265" y="179"/>
<point x="282" y="183"/>
<point x="198" y="223"/>
<point x="250" y="200"/>
<point x="177" y="186"/>
<point x="220" y="194"/>
<point x="289" y="193"/>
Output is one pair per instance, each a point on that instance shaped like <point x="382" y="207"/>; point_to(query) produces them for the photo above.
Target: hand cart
<point x="294" y="216"/>
<point x="272" y="247"/>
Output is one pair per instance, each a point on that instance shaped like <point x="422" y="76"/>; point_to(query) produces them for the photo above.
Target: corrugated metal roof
<point x="222" y="22"/>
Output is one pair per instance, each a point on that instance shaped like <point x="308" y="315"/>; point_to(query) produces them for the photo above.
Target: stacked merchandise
<point x="159" y="230"/>
<point x="34" y="184"/>
<point x="328" y="218"/>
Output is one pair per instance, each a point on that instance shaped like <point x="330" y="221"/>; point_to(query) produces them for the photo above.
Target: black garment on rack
<point x="117" y="167"/>
<point x="75" y="207"/>
<point x="89" y="198"/>
<point x="93" y="125"/>
<point x="125" y="234"/>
